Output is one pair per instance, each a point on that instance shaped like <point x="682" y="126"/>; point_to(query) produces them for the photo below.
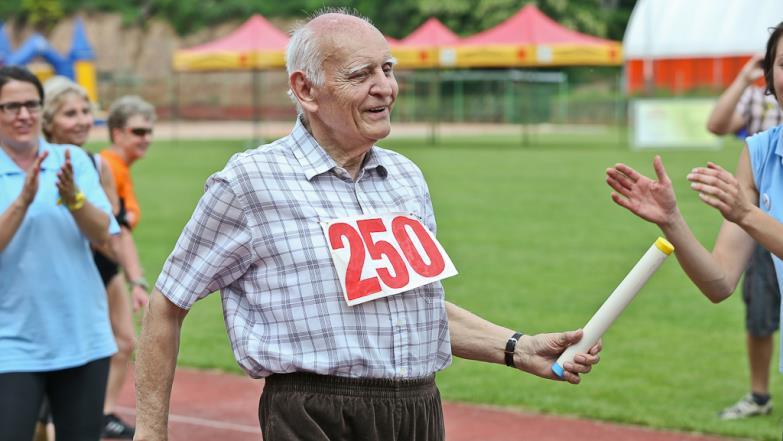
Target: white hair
<point x="303" y="53"/>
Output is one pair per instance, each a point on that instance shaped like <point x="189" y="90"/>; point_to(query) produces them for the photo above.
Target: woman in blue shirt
<point x="750" y="202"/>
<point x="55" y="337"/>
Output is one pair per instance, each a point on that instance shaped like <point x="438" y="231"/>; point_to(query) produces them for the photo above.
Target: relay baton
<point x="616" y="302"/>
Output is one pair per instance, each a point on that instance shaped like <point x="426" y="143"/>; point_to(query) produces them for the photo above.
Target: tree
<point x="41" y="14"/>
<point x="397" y="18"/>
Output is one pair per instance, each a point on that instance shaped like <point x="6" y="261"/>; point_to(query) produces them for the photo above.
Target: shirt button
<point x="401" y="322"/>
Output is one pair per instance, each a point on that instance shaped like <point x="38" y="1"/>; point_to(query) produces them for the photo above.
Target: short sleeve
<point x="758" y="146"/>
<point x="214" y="249"/>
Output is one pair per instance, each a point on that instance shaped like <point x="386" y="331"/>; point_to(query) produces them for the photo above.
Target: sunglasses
<point x="140" y="131"/>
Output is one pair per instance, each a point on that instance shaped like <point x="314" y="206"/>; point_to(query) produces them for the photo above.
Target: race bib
<point x="380" y="255"/>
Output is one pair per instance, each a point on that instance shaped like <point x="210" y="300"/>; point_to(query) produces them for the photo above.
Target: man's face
<point x="135" y="138"/>
<point x="359" y="90"/>
<point x="20" y="117"/>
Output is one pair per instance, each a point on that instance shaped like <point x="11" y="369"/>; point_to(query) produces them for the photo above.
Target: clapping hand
<point x="65" y="181"/>
<point x="653" y="201"/>
<point x="30" y="186"/>
<point x="721" y="190"/>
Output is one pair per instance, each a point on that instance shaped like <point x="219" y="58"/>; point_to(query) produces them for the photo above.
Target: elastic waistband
<point x="362" y="387"/>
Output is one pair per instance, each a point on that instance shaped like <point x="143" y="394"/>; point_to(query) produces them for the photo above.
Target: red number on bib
<point x="436" y="265"/>
<point x="355" y="286"/>
<point x="380" y="248"/>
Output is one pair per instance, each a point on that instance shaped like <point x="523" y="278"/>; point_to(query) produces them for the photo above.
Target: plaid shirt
<point x="759" y="110"/>
<point x="255" y="236"/>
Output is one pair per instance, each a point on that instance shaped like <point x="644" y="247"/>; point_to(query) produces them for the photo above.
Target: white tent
<point x="682" y="44"/>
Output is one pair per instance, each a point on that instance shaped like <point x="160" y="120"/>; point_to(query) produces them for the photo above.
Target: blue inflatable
<point x="38" y="46"/>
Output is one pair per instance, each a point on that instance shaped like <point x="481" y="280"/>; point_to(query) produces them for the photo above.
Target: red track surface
<point x="209" y="406"/>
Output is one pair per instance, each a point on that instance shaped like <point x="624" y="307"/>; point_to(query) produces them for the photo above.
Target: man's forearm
<point x="475" y="338"/>
<point x="155" y="363"/>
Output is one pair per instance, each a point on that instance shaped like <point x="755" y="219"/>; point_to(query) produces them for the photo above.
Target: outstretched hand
<point x="653" y="201"/>
<point x="538" y="352"/>
<point x="721" y="190"/>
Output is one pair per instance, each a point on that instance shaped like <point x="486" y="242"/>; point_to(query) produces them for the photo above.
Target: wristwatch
<point x="140" y="281"/>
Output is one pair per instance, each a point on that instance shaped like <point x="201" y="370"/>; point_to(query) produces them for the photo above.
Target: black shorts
<point x="761" y="293"/>
<point x="303" y="406"/>
<point x="107" y="267"/>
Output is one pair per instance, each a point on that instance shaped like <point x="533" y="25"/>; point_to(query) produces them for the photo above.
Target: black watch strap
<point x="511" y="345"/>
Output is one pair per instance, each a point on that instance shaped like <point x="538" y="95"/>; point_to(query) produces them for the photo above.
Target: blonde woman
<point x="67" y="119"/>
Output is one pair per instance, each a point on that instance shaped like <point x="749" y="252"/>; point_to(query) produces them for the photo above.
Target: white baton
<point x="616" y="302"/>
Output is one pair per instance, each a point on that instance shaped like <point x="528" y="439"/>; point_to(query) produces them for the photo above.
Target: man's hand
<point x="537" y="353"/>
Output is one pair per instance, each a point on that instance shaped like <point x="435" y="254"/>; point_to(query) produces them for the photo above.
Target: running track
<point x="209" y="406"/>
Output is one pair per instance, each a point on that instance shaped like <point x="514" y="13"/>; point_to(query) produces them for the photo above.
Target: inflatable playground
<point x="78" y="64"/>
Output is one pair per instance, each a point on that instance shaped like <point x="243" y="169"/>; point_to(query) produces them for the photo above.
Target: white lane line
<point x="200" y="421"/>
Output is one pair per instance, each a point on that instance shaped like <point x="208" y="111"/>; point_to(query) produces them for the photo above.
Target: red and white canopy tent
<point x="681" y="45"/>
<point x="531" y="39"/>
<point x="255" y="46"/>
<point x="421" y="48"/>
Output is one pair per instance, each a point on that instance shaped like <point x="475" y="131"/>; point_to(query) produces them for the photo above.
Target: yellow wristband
<point x="78" y="202"/>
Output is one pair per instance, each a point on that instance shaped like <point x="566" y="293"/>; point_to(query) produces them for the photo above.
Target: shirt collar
<point x="779" y="146"/>
<point x="314" y="159"/>
<point x="8" y="166"/>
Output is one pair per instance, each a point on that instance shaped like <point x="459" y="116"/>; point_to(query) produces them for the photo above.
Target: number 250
<point x="357" y="287"/>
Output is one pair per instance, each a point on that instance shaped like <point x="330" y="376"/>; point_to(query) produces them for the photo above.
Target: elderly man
<point x="325" y="293"/>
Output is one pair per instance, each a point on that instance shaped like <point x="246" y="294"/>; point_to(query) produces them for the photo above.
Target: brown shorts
<point x="300" y="406"/>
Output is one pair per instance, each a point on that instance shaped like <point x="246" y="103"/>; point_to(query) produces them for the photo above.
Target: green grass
<point x="539" y="245"/>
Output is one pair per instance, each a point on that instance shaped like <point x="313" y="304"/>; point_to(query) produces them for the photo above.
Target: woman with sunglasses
<point x="67" y="119"/>
<point x="55" y="336"/>
<point x="130" y="125"/>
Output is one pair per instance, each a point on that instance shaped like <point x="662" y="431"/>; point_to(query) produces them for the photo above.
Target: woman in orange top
<point x="130" y="132"/>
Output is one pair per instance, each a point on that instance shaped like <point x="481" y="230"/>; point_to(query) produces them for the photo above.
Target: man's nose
<point x="383" y="84"/>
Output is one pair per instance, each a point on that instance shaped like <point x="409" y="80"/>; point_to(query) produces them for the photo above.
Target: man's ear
<point x="303" y="90"/>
